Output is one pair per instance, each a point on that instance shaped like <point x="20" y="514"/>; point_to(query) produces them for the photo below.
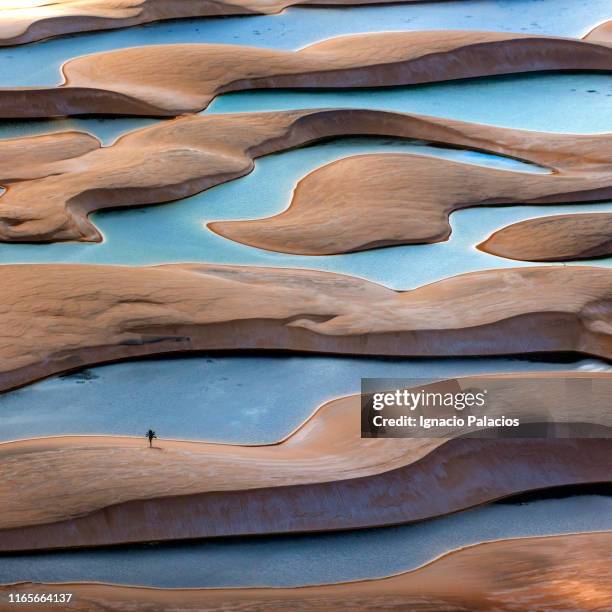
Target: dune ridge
<point x="43" y="19"/>
<point x="554" y="238"/>
<point x="60" y="317"/>
<point x="322" y="476"/>
<point x="49" y="198"/>
<point x="412" y="197"/>
<point x="465" y="473"/>
<point x="551" y="573"/>
<point x="170" y="80"/>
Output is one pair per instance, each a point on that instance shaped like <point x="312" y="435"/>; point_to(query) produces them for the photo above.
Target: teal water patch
<point x="239" y="399"/>
<point x="40" y="63"/>
<point x="177" y="231"/>
<point x="566" y="103"/>
<point x="311" y="559"/>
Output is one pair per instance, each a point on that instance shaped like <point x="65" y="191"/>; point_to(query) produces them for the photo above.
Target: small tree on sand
<point x="151" y="434"/>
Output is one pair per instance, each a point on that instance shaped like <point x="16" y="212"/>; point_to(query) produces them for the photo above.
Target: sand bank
<point x="555" y="238"/>
<point x="323" y="476"/>
<point x="170" y="80"/>
<point x="56" y="318"/>
<point x="552" y="573"/>
<point x="53" y="187"/>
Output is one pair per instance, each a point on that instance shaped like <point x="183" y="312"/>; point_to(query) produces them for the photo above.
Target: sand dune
<point x="411" y="197"/>
<point x="169" y="80"/>
<point x="323" y="476"/>
<point x="601" y="33"/>
<point x="556" y="238"/>
<point x="52" y="187"/>
<point x="57" y="318"/>
<point x="38" y="19"/>
<point x="546" y="573"/>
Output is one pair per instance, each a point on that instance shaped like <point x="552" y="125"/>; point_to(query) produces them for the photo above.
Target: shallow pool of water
<point x="311" y="559"/>
<point x="242" y="399"/>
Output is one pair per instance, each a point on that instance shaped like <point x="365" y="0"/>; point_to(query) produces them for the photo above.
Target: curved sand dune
<point x="601" y="33"/>
<point x="323" y="476"/>
<point x="411" y="197"/>
<point x="556" y="238"/>
<point x="169" y="80"/>
<point x="56" y="318"/>
<point x="569" y="572"/>
<point x="40" y="19"/>
<point x="48" y="198"/>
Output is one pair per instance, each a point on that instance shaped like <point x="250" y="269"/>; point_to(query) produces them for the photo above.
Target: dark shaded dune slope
<point x="56" y="318"/>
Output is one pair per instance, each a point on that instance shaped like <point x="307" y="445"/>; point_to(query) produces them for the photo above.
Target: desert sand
<point x="557" y="573"/>
<point x="411" y="197"/>
<point x="22" y="22"/>
<point x="555" y="238"/>
<point x="322" y="476"/>
<point x="170" y="80"/>
<point x="600" y="33"/>
<point x="57" y="318"/>
<point x="53" y="182"/>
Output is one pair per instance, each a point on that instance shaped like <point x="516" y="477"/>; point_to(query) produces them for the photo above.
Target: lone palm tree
<point x="151" y="434"/>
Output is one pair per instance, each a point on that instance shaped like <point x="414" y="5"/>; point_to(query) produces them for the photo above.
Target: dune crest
<point x="170" y="80"/>
<point x="49" y="198"/>
<point x="555" y="238"/>
<point x="324" y="476"/>
<point x="57" y="318"/>
<point x="463" y="473"/>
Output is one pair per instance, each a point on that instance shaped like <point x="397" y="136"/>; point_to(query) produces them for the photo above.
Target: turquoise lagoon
<point x="311" y="559"/>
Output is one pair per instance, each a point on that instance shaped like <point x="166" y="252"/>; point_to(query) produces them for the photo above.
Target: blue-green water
<point x="241" y="399"/>
<point x="311" y="559"/>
